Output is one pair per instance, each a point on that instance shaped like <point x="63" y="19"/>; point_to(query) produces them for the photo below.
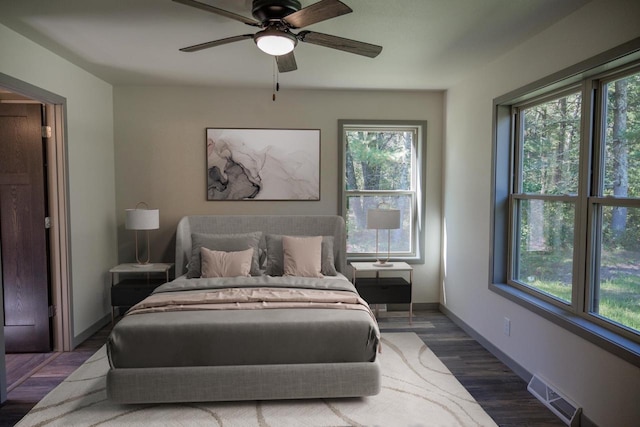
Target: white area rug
<point x="417" y="390"/>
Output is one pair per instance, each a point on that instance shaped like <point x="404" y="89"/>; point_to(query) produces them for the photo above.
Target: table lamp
<point x="142" y="218"/>
<point x="383" y="219"/>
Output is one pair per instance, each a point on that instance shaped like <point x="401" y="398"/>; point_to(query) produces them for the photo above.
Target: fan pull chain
<point x="276" y="79"/>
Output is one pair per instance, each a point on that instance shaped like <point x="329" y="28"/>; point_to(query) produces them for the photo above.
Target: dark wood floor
<point x="498" y="390"/>
<point x="31" y="376"/>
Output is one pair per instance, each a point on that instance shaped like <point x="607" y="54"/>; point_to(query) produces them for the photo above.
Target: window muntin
<point x="381" y="167"/>
<point x="553" y="208"/>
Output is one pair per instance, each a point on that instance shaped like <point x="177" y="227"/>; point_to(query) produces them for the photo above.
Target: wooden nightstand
<point x="388" y="289"/>
<point x="139" y="284"/>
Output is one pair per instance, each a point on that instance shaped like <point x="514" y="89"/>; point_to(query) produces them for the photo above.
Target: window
<point x="547" y="140"/>
<point x="382" y="166"/>
<point x="614" y="205"/>
<point x="567" y="202"/>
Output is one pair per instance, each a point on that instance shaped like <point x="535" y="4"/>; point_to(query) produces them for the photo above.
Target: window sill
<point x="613" y="343"/>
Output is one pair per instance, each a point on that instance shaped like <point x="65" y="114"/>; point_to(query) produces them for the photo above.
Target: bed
<point x="265" y="336"/>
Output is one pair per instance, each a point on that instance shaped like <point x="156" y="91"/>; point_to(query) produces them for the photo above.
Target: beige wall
<point x="606" y="386"/>
<point x="89" y="138"/>
<point x="160" y="153"/>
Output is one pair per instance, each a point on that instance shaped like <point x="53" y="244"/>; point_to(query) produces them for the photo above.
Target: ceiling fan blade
<point x="218" y="11"/>
<point x="340" y="43"/>
<point x="317" y="12"/>
<point x="286" y="62"/>
<point x="214" y="43"/>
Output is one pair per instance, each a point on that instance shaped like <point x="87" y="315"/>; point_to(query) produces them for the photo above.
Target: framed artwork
<point x="263" y="164"/>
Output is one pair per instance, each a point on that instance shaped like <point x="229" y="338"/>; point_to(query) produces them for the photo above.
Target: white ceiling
<point x="427" y="44"/>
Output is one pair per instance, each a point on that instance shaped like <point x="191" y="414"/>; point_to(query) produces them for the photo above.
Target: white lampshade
<point x="275" y="42"/>
<point x="383" y="219"/>
<point x="142" y="219"/>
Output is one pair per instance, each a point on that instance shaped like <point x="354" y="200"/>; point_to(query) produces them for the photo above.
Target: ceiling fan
<point x="276" y="19"/>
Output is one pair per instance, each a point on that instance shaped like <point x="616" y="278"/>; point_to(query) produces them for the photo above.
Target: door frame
<point x="59" y="244"/>
<point x="59" y="233"/>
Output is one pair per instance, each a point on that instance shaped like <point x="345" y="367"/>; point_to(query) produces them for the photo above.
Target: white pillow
<point x="302" y="256"/>
<point x="225" y="264"/>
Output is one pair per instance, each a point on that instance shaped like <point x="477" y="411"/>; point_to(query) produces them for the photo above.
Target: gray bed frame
<point x="253" y="382"/>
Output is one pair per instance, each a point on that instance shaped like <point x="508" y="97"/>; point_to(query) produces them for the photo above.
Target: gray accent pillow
<point x="226" y="243"/>
<point x="275" y="256"/>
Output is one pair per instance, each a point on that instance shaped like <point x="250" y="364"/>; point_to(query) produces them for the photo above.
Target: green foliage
<point x="618" y="295"/>
<point x="379" y="160"/>
<point x="625" y="238"/>
<point x="549" y="272"/>
<point x="622" y="136"/>
<point x="545" y="227"/>
<point x="619" y="298"/>
<point x="551" y="146"/>
<point x="550" y="160"/>
<point x="556" y="289"/>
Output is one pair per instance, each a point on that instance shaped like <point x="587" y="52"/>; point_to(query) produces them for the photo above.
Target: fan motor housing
<point x="267" y="10"/>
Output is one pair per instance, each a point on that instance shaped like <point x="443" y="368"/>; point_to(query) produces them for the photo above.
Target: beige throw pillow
<point x="225" y="264"/>
<point x="226" y="243"/>
<point x="302" y="256"/>
<point x="275" y="257"/>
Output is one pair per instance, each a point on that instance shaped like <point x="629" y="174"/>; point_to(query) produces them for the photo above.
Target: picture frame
<point x="262" y="164"/>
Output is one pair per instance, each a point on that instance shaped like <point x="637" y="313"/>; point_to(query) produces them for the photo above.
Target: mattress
<point x="272" y="335"/>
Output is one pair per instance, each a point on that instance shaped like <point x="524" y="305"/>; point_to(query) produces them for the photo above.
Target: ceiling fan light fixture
<point x="275" y="42"/>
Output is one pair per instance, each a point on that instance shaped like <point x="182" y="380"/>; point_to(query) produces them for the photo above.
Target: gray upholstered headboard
<point x="292" y="225"/>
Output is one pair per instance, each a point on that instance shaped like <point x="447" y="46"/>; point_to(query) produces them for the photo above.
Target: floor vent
<point x="564" y="408"/>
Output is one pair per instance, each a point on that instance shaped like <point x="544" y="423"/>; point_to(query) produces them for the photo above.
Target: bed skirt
<point x="252" y="382"/>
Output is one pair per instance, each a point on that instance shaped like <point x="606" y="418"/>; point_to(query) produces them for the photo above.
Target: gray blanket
<point x="245" y="337"/>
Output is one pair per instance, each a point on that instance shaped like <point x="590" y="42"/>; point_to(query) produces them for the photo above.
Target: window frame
<point x="517" y="195"/>
<point x="596" y="200"/>
<point x="418" y="180"/>
<point x="575" y="317"/>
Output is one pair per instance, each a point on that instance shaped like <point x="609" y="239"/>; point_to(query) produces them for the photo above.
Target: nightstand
<point x="140" y="282"/>
<point x="388" y="289"/>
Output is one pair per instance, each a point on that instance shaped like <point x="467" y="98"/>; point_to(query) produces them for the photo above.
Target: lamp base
<point x="147" y="265"/>
<point x="382" y="264"/>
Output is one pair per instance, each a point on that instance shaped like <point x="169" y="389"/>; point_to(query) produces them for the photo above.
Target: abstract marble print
<point x="263" y="164"/>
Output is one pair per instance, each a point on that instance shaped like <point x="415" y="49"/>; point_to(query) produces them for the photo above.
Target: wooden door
<point x="23" y="236"/>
